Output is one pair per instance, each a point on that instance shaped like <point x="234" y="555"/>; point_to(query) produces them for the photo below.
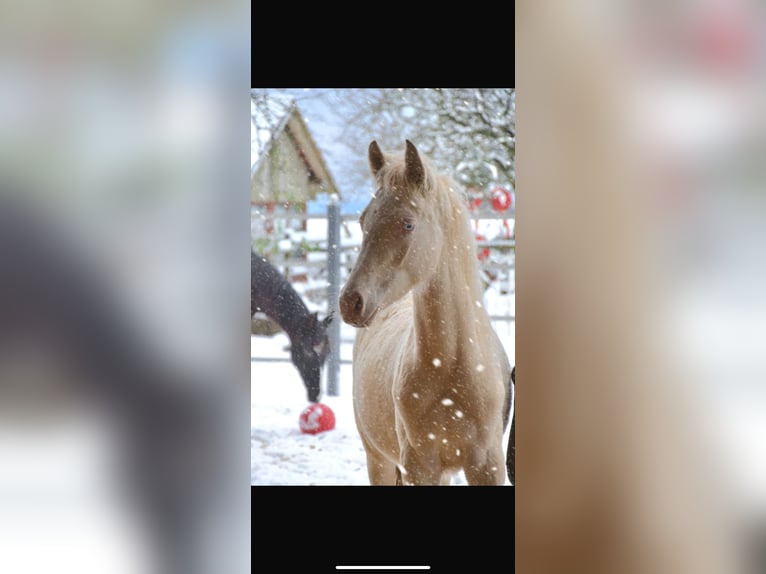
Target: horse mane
<point x="451" y="204"/>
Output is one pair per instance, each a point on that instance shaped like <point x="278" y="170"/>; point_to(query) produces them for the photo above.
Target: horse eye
<point x="409" y="225"/>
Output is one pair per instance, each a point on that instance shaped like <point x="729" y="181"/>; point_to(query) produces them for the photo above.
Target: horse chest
<point x="431" y="405"/>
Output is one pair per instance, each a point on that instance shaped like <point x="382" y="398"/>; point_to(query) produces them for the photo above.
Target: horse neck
<point x="448" y="307"/>
<point x="293" y="315"/>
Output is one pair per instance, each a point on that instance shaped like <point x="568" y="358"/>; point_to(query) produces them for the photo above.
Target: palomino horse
<point x="272" y="294"/>
<point x="431" y="387"/>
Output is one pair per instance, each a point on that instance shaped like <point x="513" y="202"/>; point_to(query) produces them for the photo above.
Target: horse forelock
<point x="393" y="178"/>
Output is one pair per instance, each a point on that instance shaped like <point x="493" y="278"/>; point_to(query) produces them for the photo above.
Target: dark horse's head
<point x="309" y="349"/>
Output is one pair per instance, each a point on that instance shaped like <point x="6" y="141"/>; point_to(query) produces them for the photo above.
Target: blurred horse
<point x="58" y="314"/>
<point x="431" y="388"/>
<point x="272" y="294"/>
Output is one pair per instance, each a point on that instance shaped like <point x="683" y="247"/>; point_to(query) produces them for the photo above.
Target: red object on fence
<point x="316" y="418"/>
<point x="726" y="38"/>
<point x="501" y="199"/>
<point x="507" y="229"/>
<point x="483" y="251"/>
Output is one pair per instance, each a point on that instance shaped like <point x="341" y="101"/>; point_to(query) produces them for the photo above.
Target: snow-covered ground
<point x="280" y="453"/>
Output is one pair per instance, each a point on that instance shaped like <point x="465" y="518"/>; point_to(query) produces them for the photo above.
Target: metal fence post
<point x="333" y="293"/>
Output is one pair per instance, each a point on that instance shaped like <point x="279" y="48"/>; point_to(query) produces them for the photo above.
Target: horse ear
<point x="327" y="320"/>
<point x="414" y="170"/>
<point x="375" y="157"/>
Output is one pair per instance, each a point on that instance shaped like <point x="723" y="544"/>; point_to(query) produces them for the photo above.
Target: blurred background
<point x="123" y="273"/>
<point x="640" y="282"/>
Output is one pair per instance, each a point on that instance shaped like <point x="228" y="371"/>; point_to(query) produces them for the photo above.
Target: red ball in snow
<point x="316" y="418"/>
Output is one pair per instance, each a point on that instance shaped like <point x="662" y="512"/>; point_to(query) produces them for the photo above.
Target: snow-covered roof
<point x="268" y="117"/>
<point x="271" y="114"/>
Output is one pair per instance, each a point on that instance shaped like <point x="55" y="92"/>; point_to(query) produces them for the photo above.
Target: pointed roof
<point x="271" y="115"/>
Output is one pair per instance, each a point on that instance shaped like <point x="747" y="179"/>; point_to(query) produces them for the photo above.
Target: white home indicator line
<point x="382" y="567"/>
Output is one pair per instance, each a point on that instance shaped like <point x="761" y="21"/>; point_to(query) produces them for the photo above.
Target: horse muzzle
<point x="354" y="311"/>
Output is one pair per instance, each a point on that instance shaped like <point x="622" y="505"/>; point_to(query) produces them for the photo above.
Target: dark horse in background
<point x="272" y="294"/>
<point x="56" y="303"/>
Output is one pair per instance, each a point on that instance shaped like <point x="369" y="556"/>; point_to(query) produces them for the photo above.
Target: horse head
<point x="309" y="351"/>
<point x="402" y="236"/>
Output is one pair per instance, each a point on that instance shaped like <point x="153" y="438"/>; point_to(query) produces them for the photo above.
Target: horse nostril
<point x="351" y="305"/>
